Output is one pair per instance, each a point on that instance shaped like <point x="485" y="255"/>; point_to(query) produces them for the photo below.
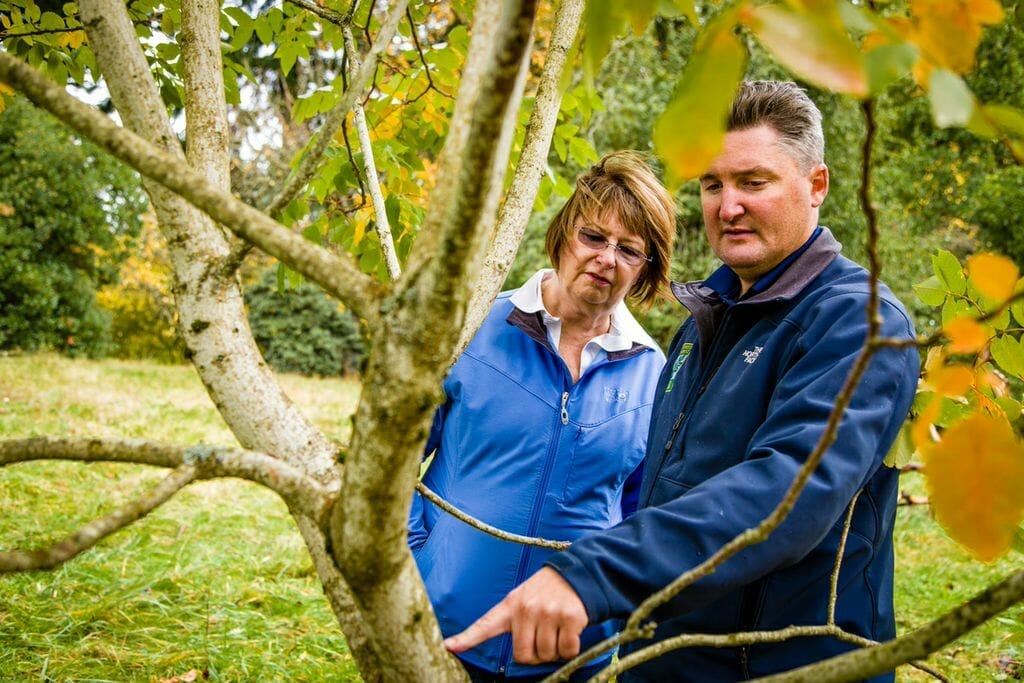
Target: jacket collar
<point x="705" y="305"/>
<point x="807" y="266"/>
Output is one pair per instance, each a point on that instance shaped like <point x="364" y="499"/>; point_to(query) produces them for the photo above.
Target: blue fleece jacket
<point x="521" y="447"/>
<point x="744" y="398"/>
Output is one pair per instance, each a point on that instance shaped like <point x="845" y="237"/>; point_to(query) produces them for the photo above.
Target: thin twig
<point x="833" y="592"/>
<point x="98" y="529"/>
<point x="423" y="60"/>
<point x="336" y="18"/>
<point x="487" y="528"/>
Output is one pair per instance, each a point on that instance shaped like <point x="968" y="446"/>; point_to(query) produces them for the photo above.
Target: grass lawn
<point x="217" y="581"/>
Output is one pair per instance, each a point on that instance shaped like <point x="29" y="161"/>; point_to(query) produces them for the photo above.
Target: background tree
<point x="404" y="231"/>
<point x="62" y="233"/>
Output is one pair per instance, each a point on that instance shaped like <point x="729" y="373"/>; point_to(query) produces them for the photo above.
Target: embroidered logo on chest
<point x="750" y="355"/>
<point x="613" y="395"/>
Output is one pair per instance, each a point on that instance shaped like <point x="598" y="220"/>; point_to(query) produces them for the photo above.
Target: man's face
<point x="759" y="206"/>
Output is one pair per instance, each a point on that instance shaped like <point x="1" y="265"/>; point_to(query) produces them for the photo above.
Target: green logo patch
<point x="684" y="353"/>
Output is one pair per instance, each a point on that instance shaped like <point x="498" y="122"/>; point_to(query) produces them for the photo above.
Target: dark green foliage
<point x="67" y="216"/>
<point x="303" y="330"/>
<point x="998" y="211"/>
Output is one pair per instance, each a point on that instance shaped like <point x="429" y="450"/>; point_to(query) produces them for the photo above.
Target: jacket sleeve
<point x="614" y="570"/>
<point x="417" y="529"/>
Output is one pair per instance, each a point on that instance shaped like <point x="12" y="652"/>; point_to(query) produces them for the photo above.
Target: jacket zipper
<point x="538" y="504"/>
<point x="563" y="418"/>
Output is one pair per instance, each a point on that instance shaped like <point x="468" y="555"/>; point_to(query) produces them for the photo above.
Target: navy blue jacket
<point x="744" y="397"/>
<point x="521" y="447"/>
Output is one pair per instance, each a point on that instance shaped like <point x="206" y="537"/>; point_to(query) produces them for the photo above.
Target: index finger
<point x="496" y="622"/>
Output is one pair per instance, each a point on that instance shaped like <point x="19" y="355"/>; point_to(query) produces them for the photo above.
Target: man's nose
<point x="731" y="206"/>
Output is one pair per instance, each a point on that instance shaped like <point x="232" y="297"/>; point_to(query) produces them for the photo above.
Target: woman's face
<point x="598" y="278"/>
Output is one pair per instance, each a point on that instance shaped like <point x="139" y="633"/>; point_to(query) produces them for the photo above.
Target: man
<point x="750" y="381"/>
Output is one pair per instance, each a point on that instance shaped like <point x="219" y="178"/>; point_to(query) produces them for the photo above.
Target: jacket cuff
<point x="583" y="582"/>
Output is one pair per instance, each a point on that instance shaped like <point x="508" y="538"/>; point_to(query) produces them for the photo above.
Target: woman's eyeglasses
<point x="592" y="239"/>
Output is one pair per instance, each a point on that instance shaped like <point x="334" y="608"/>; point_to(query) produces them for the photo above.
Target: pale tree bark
<point x="412" y="344"/>
<point x="515" y="211"/>
<point x="212" y="314"/>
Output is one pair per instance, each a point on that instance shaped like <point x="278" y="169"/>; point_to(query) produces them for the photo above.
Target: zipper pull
<point x="565" y="413"/>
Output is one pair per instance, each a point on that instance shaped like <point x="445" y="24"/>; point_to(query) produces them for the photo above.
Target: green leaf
<point x="689" y="134"/>
<point x="887" y="63"/>
<point x="951" y="100"/>
<point x="953" y="309"/>
<point x="602" y="21"/>
<point x="1017" y="308"/>
<point x="1009" y="354"/>
<point x="581" y="151"/>
<point x="640" y="13"/>
<point x="931" y="291"/>
<point x="1007" y="118"/>
<point x="949" y="271"/>
<point x="812" y="44"/>
<point x="687" y="7"/>
<point x="1011" y="407"/>
<point x="902" y="449"/>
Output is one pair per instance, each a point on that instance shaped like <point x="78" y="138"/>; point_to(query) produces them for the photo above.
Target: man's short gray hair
<point x="785" y="107"/>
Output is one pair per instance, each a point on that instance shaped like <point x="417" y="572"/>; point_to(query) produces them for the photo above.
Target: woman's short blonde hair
<point x="622" y="182"/>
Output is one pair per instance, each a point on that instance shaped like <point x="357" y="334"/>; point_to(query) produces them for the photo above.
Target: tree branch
<point x="325" y="13"/>
<point x="95" y="531"/>
<point x="387" y="243"/>
<point x="487" y="528"/>
<point x="340" y="277"/>
<point x="860" y="664"/>
<point x="336" y="116"/>
<point x="515" y="212"/>
<point x="299" y="491"/>
<point x="332" y="123"/>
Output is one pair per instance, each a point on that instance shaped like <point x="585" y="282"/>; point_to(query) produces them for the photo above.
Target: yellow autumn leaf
<point x="951" y="380"/>
<point x="72" y="39"/>
<point x="690" y="132"/>
<point x="974" y="477"/>
<point x="995" y="276"/>
<point x="965" y="335"/>
<point x="921" y="431"/>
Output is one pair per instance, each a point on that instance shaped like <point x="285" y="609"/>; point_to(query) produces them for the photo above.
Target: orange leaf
<point x="974" y="480"/>
<point x="985" y="11"/>
<point x="995" y="276"/>
<point x="811" y="45"/>
<point x="951" y="380"/>
<point x="966" y="335"/>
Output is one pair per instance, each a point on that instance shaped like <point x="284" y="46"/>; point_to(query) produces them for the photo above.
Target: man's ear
<point x="819" y="184"/>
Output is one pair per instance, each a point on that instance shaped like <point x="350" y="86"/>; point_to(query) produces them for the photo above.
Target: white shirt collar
<point x="623" y="332"/>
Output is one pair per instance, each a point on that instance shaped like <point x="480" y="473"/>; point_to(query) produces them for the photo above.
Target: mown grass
<point x="218" y="580"/>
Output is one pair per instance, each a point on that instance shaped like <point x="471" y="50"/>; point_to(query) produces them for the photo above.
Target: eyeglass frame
<point x="626" y="253"/>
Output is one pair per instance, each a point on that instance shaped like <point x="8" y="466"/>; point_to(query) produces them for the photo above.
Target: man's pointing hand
<point x="544" y="616"/>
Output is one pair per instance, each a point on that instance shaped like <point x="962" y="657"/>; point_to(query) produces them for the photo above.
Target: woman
<point x="545" y="421"/>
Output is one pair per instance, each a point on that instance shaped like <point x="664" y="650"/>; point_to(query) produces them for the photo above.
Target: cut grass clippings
<point x="217" y="582"/>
